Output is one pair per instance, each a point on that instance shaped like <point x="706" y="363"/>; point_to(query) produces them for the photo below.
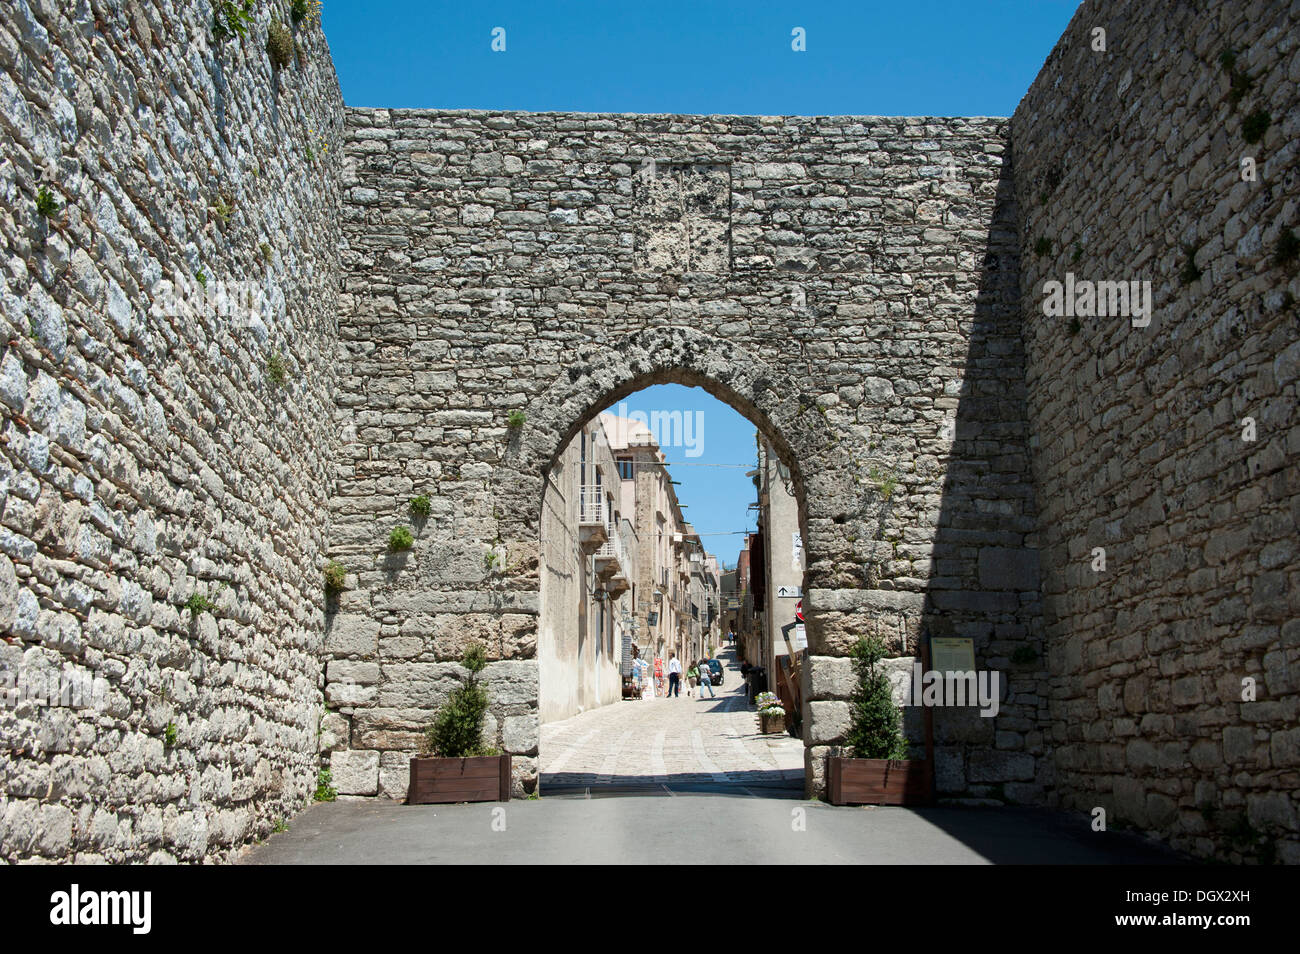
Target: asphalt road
<point x="691" y="829"/>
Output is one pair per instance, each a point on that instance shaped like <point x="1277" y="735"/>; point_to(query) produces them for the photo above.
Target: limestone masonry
<point x="360" y="298"/>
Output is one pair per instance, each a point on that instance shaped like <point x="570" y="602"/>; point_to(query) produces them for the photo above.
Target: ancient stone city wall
<point x="867" y="290"/>
<point x="148" y="453"/>
<point x="1129" y="167"/>
<point x="849" y="283"/>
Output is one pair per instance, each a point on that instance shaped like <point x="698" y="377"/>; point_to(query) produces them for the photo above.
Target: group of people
<point x="699" y="674"/>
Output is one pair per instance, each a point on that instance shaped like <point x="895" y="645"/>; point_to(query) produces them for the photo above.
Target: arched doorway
<point x="557" y="423"/>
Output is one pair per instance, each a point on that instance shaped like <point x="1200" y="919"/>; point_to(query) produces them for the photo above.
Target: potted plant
<point x="879" y="772"/>
<point x="771" y="714"/>
<point x="455" y="765"/>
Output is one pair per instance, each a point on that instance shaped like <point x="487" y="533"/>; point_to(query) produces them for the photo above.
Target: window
<point x="626" y="469"/>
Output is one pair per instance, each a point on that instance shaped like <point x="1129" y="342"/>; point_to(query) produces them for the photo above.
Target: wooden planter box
<point x="879" y="781"/>
<point x="769" y="724"/>
<point x="483" y="778"/>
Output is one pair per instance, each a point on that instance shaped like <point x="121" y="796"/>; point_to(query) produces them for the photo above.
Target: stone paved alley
<point x="682" y="743"/>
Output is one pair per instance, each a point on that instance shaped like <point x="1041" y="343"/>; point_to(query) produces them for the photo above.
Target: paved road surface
<point x="690" y="829"/>
<point x="682" y="744"/>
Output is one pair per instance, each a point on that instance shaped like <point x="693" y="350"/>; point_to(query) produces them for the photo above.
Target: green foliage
<point x="46" y="205"/>
<point x="169" y="735"/>
<point x="1190" y="272"/>
<point x="421" y="506"/>
<point x="515" y="420"/>
<point x="198" y="603"/>
<point x="1043" y="246"/>
<point x="885" y="483"/>
<point x="401" y="538"/>
<point x="1078" y="252"/>
<point x="1075" y="327"/>
<point x="325" y="791"/>
<point x="1255" y="125"/>
<point x="1288" y="247"/>
<point x="457" y="730"/>
<point x="276" y="369"/>
<point x="491" y="560"/>
<point x="279" y="827"/>
<point x="201" y="277"/>
<point x="231" y="18"/>
<point x="1228" y="60"/>
<point x="300" y="10"/>
<point x="279" y="44"/>
<point x="335" y="576"/>
<point x="1024" y="655"/>
<point x="874" y="720"/>
<point x="222" y="210"/>
<point x="265" y="249"/>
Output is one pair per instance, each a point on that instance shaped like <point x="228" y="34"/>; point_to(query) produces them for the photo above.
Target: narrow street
<point x="679" y="744"/>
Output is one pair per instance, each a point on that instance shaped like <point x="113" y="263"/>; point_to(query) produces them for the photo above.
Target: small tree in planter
<point x="458" y="767"/>
<point x="771" y="714"/>
<point x="879" y="773"/>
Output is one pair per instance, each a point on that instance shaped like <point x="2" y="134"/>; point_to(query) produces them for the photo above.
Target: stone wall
<point x="1129" y="166"/>
<point x="848" y="283"/>
<point x="147" y="452"/>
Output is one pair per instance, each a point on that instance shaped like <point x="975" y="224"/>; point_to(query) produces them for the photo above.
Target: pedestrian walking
<point x="674" y="676"/>
<point x="706" y="680"/>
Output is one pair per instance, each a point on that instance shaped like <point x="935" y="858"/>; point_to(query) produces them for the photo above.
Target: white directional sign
<point x="788" y="592"/>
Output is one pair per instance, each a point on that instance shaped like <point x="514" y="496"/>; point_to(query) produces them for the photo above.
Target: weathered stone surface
<point x="355" y="772"/>
<point x="868" y="288"/>
<point x="1139" y="430"/>
<point x="145" y="453"/>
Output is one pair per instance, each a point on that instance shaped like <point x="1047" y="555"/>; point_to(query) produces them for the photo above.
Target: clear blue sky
<point x="912" y="58"/>
<point x="710" y="466"/>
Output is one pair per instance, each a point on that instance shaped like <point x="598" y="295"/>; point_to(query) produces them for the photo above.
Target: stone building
<point x="783" y="565"/>
<point x="588" y="562"/>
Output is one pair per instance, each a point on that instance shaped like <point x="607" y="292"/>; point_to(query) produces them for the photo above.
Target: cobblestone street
<point x="683" y="743"/>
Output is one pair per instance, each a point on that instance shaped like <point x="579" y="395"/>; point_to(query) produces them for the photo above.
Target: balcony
<point x="593" y="518"/>
<point x="611" y="556"/>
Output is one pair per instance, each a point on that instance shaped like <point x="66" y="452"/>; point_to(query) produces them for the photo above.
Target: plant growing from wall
<point x="457" y="730"/>
<point x="304" y="10"/>
<point x="421" y="506"/>
<point x="198" y="603"/>
<point x="336" y="575"/>
<point x="325" y="791"/>
<point x="201" y="277"/>
<point x="1255" y="125"/>
<point x="231" y="18"/>
<point x="400" y="538"/>
<point x="1043" y="246"/>
<point x="1024" y="655"/>
<point x="265" y="249"/>
<point x="515" y="420"/>
<point x="222" y="210"/>
<point x="874" y="720"/>
<point x="276" y="369"/>
<point x="46" y="205"/>
<point x="279" y="44"/>
<point x="169" y="735"/>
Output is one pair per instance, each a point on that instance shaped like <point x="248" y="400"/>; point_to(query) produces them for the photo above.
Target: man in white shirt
<point x="674" y="676"/>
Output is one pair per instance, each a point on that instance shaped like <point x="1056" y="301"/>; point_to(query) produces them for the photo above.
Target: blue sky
<point x="711" y="460"/>
<point x="916" y="58"/>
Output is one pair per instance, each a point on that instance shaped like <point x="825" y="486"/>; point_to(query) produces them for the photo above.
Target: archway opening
<point x="671" y="567"/>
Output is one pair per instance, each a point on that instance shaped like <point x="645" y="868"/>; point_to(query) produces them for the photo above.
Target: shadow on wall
<point x="984" y="578"/>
